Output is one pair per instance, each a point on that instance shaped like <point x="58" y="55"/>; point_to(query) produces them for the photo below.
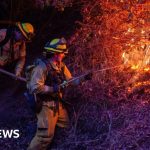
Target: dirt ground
<point x="15" y="114"/>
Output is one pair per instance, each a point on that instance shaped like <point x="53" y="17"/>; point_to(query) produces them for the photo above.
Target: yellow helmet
<point x="56" y="46"/>
<point x="26" y="29"/>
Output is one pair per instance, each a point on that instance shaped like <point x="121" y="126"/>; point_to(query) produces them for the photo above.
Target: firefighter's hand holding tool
<point x="58" y="88"/>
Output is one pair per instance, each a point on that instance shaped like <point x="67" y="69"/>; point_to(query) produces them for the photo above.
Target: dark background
<point x="49" y="23"/>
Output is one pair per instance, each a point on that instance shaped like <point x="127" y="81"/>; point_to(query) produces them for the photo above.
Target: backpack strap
<point x="48" y="65"/>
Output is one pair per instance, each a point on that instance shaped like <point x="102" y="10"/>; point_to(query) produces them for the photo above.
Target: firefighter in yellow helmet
<point x="45" y="84"/>
<point x="13" y="45"/>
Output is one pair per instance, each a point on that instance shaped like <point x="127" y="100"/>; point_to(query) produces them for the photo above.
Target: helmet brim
<point x="53" y="50"/>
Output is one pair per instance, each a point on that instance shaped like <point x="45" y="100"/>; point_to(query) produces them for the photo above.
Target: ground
<point x="122" y="125"/>
<point x="15" y="114"/>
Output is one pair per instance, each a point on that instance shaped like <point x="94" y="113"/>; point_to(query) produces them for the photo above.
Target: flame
<point x="147" y="69"/>
<point x="144" y="83"/>
<point x="135" y="67"/>
<point x="137" y="58"/>
<point x="138" y="85"/>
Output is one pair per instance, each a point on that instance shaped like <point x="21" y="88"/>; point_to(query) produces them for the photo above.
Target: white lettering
<point x="0" y="133"/>
<point x="7" y="133"/>
<point x="16" y="134"/>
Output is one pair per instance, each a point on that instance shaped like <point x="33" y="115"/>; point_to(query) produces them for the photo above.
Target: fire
<point x="135" y="67"/>
<point x="146" y="69"/>
<point x="144" y="83"/>
<point x="139" y="84"/>
<point x="137" y="58"/>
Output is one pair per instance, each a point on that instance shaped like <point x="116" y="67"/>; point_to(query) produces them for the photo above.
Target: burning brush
<point x="138" y="60"/>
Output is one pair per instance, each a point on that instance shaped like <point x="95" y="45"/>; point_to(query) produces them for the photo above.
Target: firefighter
<point x="13" y="45"/>
<point x="46" y="77"/>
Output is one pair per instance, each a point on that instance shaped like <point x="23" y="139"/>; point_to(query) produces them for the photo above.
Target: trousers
<point x="47" y="121"/>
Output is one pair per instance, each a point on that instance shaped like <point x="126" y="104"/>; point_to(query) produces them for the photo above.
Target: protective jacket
<point x="53" y="112"/>
<point x="45" y="76"/>
<point x="12" y="51"/>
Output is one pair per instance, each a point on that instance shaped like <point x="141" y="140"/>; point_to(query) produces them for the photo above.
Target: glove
<point x="88" y="76"/>
<point x="58" y="88"/>
<point x="64" y="85"/>
<point x="18" y="74"/>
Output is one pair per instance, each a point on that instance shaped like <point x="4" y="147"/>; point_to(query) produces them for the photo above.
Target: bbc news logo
<point x="5" y="134"/>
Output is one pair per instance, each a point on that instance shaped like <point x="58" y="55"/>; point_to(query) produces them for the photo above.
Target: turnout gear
<point x="51" y="78"/>
<point x="46" y="126"/>
<point x="12" y="45"/>
<point x="26" y="29"/>
<point x="11" y="51"/>
<point x="47" y="79"/>
<point x="39" y="74"/>
<point x="56" y="46"/>
<point x="44" y="77"/>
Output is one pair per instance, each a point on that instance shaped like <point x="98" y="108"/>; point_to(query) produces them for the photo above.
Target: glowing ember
<point x="146" y="69"/>
<point x="137" y="85"/>
<point x="144" y="83"/>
